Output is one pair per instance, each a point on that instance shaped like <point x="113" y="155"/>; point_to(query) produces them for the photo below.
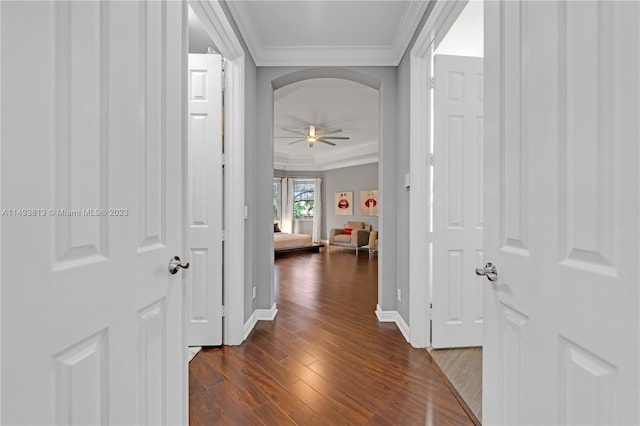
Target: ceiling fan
<point x="312" y="134"/>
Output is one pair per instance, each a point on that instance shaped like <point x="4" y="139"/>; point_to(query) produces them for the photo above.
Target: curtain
<point x="317" y="211"/>
<point x="287" y="205"/>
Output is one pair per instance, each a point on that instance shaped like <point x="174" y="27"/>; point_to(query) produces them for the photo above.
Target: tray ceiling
<point x="331" y="104"/>
<point x="328" y="32"/>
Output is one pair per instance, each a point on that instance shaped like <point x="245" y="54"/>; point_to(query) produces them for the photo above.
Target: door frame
<point x="212" y="16"/>
<point x="421" y="69"/>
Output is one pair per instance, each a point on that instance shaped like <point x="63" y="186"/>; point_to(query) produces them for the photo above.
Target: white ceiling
<point x="331" y="104"/>
<point x="327" y="32"/>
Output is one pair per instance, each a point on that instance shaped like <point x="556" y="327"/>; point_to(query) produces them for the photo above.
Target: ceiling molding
<point x="349" y="55"/>
<point x="327" y="56"/>
<point x="218" y="27"/>
<point x="407" y="27"/>
<point x="347" y="157"/>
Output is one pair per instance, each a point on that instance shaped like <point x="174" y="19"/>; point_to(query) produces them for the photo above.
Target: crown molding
<point x="384" y="55"/>
<point x="348" y="157"/>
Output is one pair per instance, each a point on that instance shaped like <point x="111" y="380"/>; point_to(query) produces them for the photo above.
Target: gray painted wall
<point x="356" y="179"/>
<point x="402" y="254"/>
<point x="262" y="173"/>
<point x="250" y="197"/>
<point x="403" y="154"/>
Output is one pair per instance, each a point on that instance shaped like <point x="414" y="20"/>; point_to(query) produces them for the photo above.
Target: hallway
<point x="325" y="359"/>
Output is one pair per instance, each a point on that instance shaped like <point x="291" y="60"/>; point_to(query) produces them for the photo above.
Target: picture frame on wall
<point x="369" y="202"/>
<point x="344" y="203"/>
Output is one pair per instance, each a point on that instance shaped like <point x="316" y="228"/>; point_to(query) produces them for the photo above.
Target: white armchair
<point x="354" y="235"/>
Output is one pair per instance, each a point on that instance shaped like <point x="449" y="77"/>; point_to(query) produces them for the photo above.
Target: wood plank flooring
<point x="324" y="360"/>
<point x="463" y="368"/>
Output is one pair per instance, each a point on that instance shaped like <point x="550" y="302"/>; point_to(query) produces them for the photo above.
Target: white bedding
<point x="282" y="240"/>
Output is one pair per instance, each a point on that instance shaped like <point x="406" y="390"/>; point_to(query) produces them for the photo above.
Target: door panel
<point x="458" y="218"/>
<point x="562" y="325"/>
<point x="204" y="206"/>
<point x="152" y="147"/>
<point x="92" y="328"/>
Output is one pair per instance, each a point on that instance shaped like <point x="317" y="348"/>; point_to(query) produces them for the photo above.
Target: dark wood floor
<point x="324" y="360"/>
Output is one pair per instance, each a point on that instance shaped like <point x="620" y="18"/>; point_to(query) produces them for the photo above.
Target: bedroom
<point x="310" y="172"/>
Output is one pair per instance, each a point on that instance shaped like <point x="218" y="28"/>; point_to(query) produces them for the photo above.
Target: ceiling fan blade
<point x="327" y="142"/>
<point x="294" y="131"/>
<point x="300" y="140"/>
<point x="331" y="132"/>
<point x="288" y="137"/>
<point x="335" y="137"/>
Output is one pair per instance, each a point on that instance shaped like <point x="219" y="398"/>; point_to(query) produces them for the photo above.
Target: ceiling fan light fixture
<point x="313" y="135"/>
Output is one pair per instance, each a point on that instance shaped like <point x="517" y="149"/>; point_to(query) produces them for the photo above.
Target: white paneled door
<point x="92" y="112"/>
<point x="457" y="201"/>
<point x="561" y="326"/>
<point x="204" y="205"/>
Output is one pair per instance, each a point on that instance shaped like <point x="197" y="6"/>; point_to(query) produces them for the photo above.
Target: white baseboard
<point x="386" y="316"/>
<point x="248" y="326"/>
<point x="394" y="316"/>
<point x="259" y="315"/>
<point x="266" y="314"/>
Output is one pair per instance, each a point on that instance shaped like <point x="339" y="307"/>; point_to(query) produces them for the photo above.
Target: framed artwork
<point x="369" y="202"/>
<point x="344" y="203"/>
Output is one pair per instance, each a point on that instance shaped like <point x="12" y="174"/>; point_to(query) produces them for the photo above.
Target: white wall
<point x="199" y="39"/>
<point x="466" y="36"/>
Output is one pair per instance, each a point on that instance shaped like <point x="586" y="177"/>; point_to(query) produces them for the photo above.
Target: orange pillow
<point x="347" y="231"/>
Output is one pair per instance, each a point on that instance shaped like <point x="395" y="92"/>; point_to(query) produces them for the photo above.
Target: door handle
<point x="490" y="271"/>
<point x="175" y="264"/>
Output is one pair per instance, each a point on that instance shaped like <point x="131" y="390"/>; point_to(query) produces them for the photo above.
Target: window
<point x="276" y="199"/>
<point x="303" y="197"/>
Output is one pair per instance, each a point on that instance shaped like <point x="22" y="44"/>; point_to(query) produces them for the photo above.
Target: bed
<point x="292" y="243"/>
<point x="284" y="241"/>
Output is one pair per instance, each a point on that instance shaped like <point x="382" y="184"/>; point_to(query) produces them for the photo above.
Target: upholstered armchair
<point x="354" y="235"/>
<point x="373" y="243"/>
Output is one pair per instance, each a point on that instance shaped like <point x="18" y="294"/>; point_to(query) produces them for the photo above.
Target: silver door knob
<point x="175" y="264"/>
<point x="490" y="271"/>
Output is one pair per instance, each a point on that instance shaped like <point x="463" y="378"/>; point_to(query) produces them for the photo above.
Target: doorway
<point x="204" y="172"/>
<point x="309" y="172"/>
<point x="218" y="28"/>
<point x="457" y="182"/>
<point x="443" y="75"/>
<point x="457" y="204"/>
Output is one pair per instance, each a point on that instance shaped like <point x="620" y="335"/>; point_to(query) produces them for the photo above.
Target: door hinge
<point x="222" y="235"/>
<point x="432" y="82"/>
<point x="223" y="160"/>
<point x="430" y="237"/>
<point x="430" y="159"/>
<point x="223" y="76"/>
<point x="224" y="311"/>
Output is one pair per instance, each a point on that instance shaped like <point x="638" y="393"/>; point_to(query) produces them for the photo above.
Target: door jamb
<point x="440" y="20"/>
